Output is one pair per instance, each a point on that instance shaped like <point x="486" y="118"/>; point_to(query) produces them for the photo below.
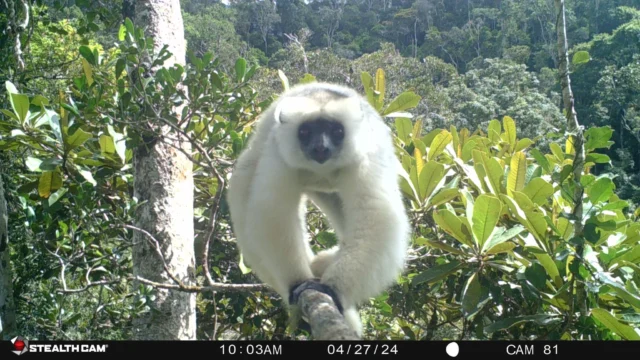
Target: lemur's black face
<point x="321" y="139"/>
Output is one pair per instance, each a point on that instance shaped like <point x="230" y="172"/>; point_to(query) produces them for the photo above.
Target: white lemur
<point x="325" y="143"/>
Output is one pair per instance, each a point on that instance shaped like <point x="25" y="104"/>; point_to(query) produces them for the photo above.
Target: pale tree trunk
<point x="7" y="308"/>
<point x="164" y="182"/>
<point x="573" y="127"/>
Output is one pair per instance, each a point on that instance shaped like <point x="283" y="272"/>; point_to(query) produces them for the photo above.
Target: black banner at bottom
<point x="327" y="349"/>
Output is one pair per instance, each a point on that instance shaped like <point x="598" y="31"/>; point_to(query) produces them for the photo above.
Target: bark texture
<point x="325" y="320"/>
<point x="7" y="307"/>
<point x="164" y="183"/>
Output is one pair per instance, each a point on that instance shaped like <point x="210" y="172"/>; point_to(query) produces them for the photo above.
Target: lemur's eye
<point x="303" y="132"/>
<point x="337" y="132"/>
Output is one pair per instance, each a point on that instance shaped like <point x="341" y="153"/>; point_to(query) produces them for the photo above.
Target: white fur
<point x="358" y="191"/>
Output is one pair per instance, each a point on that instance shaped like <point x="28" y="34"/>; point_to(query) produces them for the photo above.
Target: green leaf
<point x="380" y="90"/>
<point x="523" y="144"/>
<point x="122" y="32"/>
<point x="284" y="80"/>
<point x="119" y="143"/>
<point x="327" y="239"/>
<point x="40" y="100"/>
<point x="33" y="164"/>
<point x="443" y="196"/>
<point x="404" y="129"/>
<point x="552" y="270"/>
<point x="241" y="69"/>
<point x="517" y="173"/>
<point x="86" y="174"/>
<point x="598" y="137"/>
<point x="467" y="149"/>
<point x="307" y="78"/>
<point x="623" y="293"/>
<point x="120" y="64"/>
<point x="367" y="83"/>
<point x="473" y="296"/>
<point x="49" y="182"/>
<point x="11" y="89"/>
<point x="598" y="158"/>
<point x="9" y="114"/>
<point x="494" y="130"/>
<point x="557" y="151"/>
<point x="106" y="144"/>
<point x="56" y="196"/>
<point x="452" y="225"/>
<point x="404" y="101"/>
<point x="88" y="71"/>
<point x="538" y="190"/>
<point x="429" y="177"/>
<point x="601" y="190"/>
<point x="441" y="246"/>
<point x="78" y="138"/>
<point x="500" y="248"/>
<point x="540" y="319"/>
<point x="243" y="267"/>
<point x="612" y="323"/>
<point x="580" y="57"/>
<point x="437" y="272"/>
<point x="541" y="159"/>
<point x="486" y="213"/>
<point x="500" y="236"/>
<point x="510" y="130"/>
<point x="20" y="105"/>
<point x="438" y="144"/>
<point x="86" y="53"/>
<point x="406" y="185"/>
<point x="493" y="171"/>
<point x="632" y="256"/>
<point x="536" y="276"/>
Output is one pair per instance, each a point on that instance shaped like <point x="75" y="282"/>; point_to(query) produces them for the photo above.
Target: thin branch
<point x="156" y="244"/>
<point x="212" y="286"/>
<point x="88" y="286"/>
<point x="577" y="136"/>
<point x="198" y="289"/>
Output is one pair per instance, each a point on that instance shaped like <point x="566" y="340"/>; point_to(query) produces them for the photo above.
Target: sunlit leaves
<point x="486" y="212"/>
<point x="623" y="330"/>
<point x="429" y="178"/>
<point x="453" y="225"/>
<point x="601" y="190"/>
<point x="438" y="144"/>
<point x="517" y="173"/>
<point x="538" y="190"/>
<point x="509" y="131"/>
<point x="19" y="102"/>
<point x="580" y="57"/>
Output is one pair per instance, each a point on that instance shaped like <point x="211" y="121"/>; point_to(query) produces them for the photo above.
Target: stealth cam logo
<point x="20" y="345"/>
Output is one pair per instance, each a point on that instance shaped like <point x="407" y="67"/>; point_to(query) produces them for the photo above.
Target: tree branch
<point x="197" y="288"/>
<point x="576" y="134"/>
<point x="324" y="318"/>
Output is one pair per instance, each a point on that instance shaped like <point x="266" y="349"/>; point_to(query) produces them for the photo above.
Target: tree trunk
<point x="7" y="308"/>
<point x="164" y="183"/>
<point x="573" y="127"/>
